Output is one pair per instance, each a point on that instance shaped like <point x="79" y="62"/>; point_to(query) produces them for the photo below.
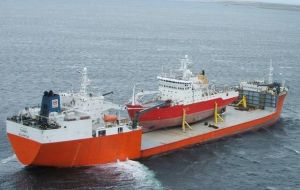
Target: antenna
<point x="84" y="81"/>
<point x="271" y="72"/>
<point x="185" y="63"/>
<point x="133" y="95"/>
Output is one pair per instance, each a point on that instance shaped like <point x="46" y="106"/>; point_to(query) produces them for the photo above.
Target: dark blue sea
<point x="43" y="44"/>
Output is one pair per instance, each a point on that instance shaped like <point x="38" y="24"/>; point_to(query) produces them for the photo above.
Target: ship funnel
<point x="50" y="103"/>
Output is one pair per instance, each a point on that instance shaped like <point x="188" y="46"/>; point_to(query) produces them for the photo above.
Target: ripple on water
<point x="121" y="175"/>
<point x="43" y="44"/>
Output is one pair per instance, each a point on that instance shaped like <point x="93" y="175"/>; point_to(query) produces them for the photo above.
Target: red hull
<point x="84" y="152"/>
<point x="172" y="116"/>
<point x="111" y="148"/>
<point x="235" y="129"/>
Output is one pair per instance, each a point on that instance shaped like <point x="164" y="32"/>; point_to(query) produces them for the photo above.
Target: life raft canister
<point x="110" y="118"/>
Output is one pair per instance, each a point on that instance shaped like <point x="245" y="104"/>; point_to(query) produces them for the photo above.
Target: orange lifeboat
<point x="110" y="118"/>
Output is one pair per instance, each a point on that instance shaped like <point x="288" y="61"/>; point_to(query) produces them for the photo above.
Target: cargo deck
<point x="172" y="138"/>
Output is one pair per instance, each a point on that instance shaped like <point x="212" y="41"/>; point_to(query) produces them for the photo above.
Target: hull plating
<point x="172" y="116"/>
<point x="111" y="148"/>
<point x="163" y="123"/>
<point x="91" y="151"/>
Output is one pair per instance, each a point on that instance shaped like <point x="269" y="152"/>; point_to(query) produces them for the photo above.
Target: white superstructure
<point x="93" y="105"/>
<point x="82" y="115"/>
<point x="183" y="87"/>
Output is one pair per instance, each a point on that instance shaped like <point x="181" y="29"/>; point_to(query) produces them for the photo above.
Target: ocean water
<point x="43" y="44"/>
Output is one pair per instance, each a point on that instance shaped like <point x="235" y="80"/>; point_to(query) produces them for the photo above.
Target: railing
<point x="118" y="122"/>
<point x="259" y="99"/>
<point x="40" y="122"/>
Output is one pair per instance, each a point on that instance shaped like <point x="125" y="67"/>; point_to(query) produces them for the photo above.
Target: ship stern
<point x="25" y="149"/>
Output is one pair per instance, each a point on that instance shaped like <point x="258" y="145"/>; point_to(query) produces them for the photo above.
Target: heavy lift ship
<point x="62" y="133"/>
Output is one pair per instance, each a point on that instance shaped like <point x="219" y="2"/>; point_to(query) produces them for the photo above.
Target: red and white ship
<point x="73" y="129"/>
<point x="186" y="92"/>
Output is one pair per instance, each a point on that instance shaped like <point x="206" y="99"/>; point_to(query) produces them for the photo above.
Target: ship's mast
<point x="84" y="81"/>
<point x="271" y="73"/>
<point x="185" y="62"/>
<point x="133" y="96"/>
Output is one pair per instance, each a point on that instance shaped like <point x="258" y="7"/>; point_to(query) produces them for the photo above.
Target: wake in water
<point x="127" y="174"/>
<point x="121" y="175"/>
<point x="8" y="159"/>
<point x="292" y="149"/>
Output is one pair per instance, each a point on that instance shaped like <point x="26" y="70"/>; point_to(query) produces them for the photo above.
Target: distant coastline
<point x="265" y="4"/>
<point x="270" y="2"/>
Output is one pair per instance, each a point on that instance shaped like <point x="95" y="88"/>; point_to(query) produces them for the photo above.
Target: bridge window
<point x="101" y="133"/>
<point x="120" y="129"/>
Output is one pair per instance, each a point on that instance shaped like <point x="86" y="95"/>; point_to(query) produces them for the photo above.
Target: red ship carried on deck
<point x="184" y="91"/>
<point x="74" y="129"/>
